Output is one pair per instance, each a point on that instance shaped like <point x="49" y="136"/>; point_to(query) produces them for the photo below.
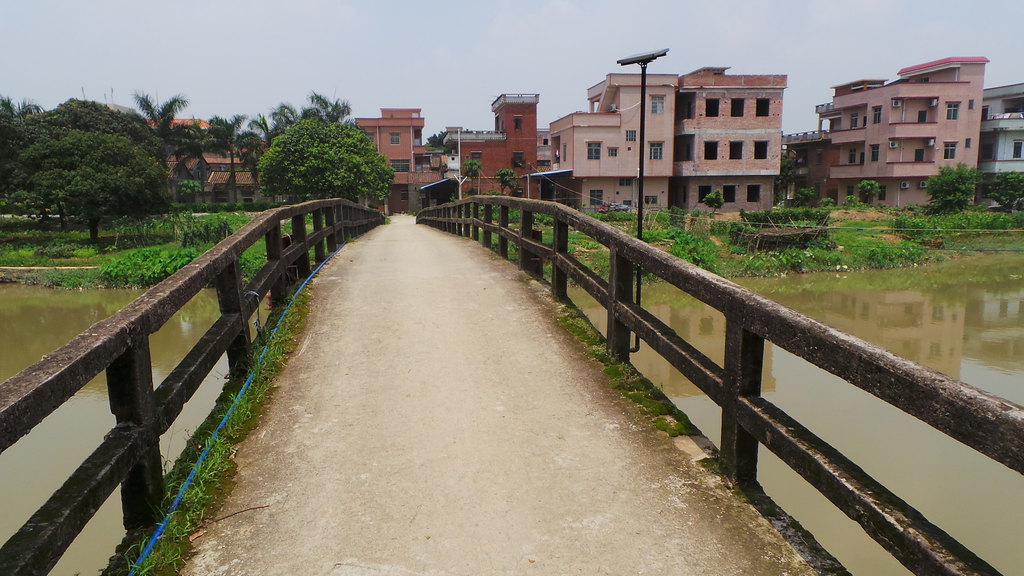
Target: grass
<point x="649" y="399"/>
<point x="213" y="478"/>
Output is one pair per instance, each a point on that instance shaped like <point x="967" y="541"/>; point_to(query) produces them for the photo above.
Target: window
<point x="949" y="151"/>
<point x="657" y="150"/>
<point x="476" y="155"/>
<point x="922" y="115"/>
<point x="854" y="118"/>
<point x="753" y="192"/>
<point x="630" y="135"/>
<point x="396" y="138"/>
<point x="919" y="155"/>
<point x="711" y="107"/>
<point x="518" y="159"/>
<point x="710" y="150"/>
<point x="400" y="165"/>
<point x="729" y="193"/>
<point x="876" y="115"/>
<point x="967" y="142"/>
<point x="702" y="192"/>
<point x="518" y="122"/>
<point x="881" y="193"/>
<point x="736" y="150"/>
<point x="762" y="107"/>
<point x="596" y="197"/>
<point x="1018" y="148"/>
<point x="853" y="156"/>
<point x="613" y="152"/>
<point x="970" y="104"/>
<point x="874" y="152"/>
<point x="650" y="200"/>
<point x="657" y="104"/>
<point x="987" y="151"/>
<point x="952" y="110"/>
<point x="760" y="149"/>
<point x="593" y="150"/>
<point x="625" y="182"/>
<point x="736" y="107"/>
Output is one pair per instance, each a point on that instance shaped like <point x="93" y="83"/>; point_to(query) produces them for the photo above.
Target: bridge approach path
<point x="437" y="420"/>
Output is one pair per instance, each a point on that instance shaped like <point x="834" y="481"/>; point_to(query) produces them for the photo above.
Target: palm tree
<point x="18" y="110"/>
<point x="161" y="117"/>
<point x="225" y="138"/>
<point x="323" y="108"/>
<point x="283" y="117"/>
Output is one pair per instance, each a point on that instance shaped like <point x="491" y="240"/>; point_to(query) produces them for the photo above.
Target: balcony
<point x="848" y="135"/>
<point x="900" y="130"/>
<point x="813" y="136"/>
<point x="1003" y="122"/>
<point x="826" y="109"/>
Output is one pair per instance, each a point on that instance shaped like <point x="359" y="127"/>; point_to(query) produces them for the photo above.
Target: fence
<point x="129" y="455"/>
<point x="988" y="424"/>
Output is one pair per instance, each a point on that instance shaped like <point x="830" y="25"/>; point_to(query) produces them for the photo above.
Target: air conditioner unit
<point x="934" y="102"/>
<point x="894" y="144"/>
<point x="904" y="185"/>
<point x="922" y="184"/>
<point x="897" y="103"/>
<point x="930" y="142"/>
<point x="613" y="108"/>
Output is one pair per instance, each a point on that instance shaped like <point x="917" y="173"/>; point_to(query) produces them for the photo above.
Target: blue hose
<point x="148" y="549"/>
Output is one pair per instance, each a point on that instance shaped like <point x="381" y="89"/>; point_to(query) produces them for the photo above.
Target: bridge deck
<point x="437" y="420"/>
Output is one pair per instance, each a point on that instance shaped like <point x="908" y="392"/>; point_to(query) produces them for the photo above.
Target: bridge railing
<point x="990" y="425"/>
<point x="129" y="454"/>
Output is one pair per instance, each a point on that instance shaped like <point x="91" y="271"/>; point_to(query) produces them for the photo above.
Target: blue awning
<point x="436" y="183"/>
<point x="551" y="173"/>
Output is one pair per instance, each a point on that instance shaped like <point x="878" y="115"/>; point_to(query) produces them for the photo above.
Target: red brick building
<point x="398" y="135"/>
<point x="512" y="143"/>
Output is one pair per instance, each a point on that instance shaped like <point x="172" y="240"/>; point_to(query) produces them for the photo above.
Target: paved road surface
<point x="437" y="420"/>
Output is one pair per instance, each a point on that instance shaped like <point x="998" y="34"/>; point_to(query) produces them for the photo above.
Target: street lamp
<point x="643" y="60"/>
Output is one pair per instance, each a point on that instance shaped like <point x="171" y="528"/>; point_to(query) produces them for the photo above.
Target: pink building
<point x="398" y="135"/>
<point x="706" y="131"/>
<point x="901" y="132"/>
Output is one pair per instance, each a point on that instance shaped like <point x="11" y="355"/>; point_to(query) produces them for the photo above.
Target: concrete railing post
<point x="130" y="390"/>
<point x="620" y="289"/>
<point x="744" y="358"/>
<point x="488" y="219"/>
<point x="560" y="244"/>
<point x="319" y="251"/>
<point x="503" y="225"/>
<point x="299" y="238"/>
<point x="476" y="217"/>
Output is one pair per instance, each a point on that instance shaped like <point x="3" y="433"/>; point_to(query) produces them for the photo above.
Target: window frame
<point x="395" y="138"/>
<point x="660" y="147"/>
<point x="658" y="104"/>
<point x="949" y="151"/>
<point x="630" y="135"/>
<point x="952" y="110"/>
<point x="593" y="150"/>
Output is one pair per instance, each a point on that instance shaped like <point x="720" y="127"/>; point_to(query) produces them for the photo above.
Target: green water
<point x="35" y="321"/>
<point x="964" y="318"/>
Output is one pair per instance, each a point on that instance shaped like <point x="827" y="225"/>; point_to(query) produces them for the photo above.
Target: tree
<point x="507" y="178"/>
<point x="225" y="136"/>
<point x="314" y="159"/>
<point x="714" y="200"/>
<point x="327" y="110"/>
<point x="437" y="140"/>
<point x="13" y="138"/>
<point x="805" y="197"/>
<point x="868" y="190"/>
<point x="1008" y="190"/>
<point x="92" y="176"/>
<point x="952" y="189"/>
<point x="472" y="168"/>
<point x="283" y="117"/>
<point x="94" y="117"/>
<point x="786" y="177"/>
<point x="161" y="118"/>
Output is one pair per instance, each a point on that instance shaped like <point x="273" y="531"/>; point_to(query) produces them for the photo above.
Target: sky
<point x="452" y="59"/>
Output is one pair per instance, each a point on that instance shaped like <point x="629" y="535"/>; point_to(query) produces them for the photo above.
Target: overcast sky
<point x="453" y="58"/>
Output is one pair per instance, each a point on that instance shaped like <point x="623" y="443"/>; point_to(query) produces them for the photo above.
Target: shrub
<point x="145" y="267"/>
<point x="699" y="251"/>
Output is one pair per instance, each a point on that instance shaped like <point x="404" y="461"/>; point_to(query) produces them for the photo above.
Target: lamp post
<point x="643" y="60"/>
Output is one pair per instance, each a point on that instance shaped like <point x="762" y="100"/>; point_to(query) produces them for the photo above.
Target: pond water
<point x="964" y="318"/>
<point x="35" y="321"/>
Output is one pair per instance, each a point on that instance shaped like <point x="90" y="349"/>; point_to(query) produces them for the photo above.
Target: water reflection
<point x="963" y="318"/>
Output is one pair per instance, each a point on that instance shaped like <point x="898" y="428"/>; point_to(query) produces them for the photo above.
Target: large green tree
<point x="161" y="116"/>
<point x="91" y="176"/>
<point x="952" y="189"/>
<point x="315" y="159"/>
<point x="94" y="117"/>
<point x="13" y="138"/>
<point x="1007" y="189"/>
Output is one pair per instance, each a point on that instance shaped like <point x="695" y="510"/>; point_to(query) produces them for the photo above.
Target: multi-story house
<point x="1002" y="130"/>
<point x="398" y="135"/>
<point x="596" y="153"/>
<point x="900" y="133"/>
<point x="729" y="138"/>
<point x="705" y="131"/>
<point x="512" y="144"/>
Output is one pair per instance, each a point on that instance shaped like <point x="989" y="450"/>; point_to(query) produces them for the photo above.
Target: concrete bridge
<point x="436" y="418"/>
